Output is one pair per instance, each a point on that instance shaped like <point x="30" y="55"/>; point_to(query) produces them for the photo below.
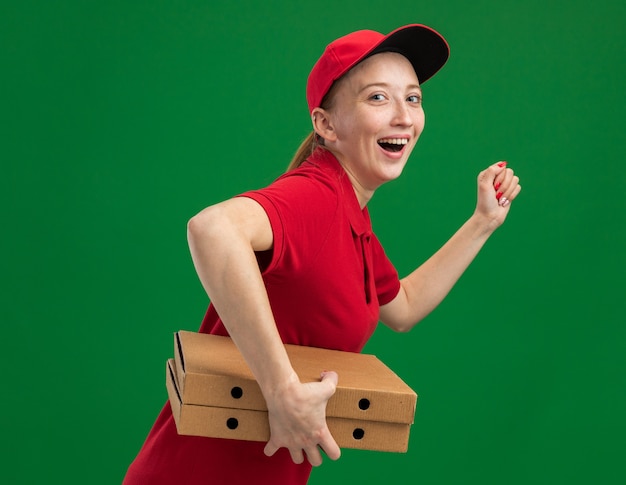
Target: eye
<point x="414" y="98"/>
<point x="377" y="97"/>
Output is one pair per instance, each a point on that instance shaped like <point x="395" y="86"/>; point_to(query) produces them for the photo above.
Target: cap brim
<point x="425" y="48"/>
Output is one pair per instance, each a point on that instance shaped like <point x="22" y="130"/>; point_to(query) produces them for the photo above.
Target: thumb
<point x="330" y="380"/>
<point x="488" y="177"/>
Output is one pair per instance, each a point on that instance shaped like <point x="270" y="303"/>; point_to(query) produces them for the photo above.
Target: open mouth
<point x="393" y="144"/>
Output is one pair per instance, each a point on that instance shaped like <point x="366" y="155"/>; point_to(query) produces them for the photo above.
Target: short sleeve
<point x="385" y="274"/>
<point x="300" y="210"/>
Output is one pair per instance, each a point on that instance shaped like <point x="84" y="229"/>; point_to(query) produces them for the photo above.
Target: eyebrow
<point x="386" y="85"/>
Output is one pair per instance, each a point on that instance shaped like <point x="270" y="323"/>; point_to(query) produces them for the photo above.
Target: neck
<point x="363" y="194"/>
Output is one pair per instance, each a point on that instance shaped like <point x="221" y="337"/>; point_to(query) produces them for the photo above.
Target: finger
<point x="514" y="182"/>
<point x="314" y="456"/>
<point x="515" y="193"/>
<point x="518" y="189"/>
<point x="270" y="449"/>
<point x="506" y="186"/>
<point x="297" y="456"/>
<point x="330" y="446"/>
<point x="499" y="178"/>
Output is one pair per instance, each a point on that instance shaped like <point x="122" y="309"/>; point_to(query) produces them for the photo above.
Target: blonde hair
<point x="306" y="149"/>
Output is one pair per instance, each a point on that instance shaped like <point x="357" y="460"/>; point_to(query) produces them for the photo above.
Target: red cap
<point x="426" y="49"/>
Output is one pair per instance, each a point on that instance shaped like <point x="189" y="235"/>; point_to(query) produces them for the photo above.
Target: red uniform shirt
<point x="326" y="277"/>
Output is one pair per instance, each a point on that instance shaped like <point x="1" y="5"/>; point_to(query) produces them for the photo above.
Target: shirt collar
<point x="359" y="218"/>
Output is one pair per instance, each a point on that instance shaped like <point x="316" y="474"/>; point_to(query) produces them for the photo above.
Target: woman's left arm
<point x="423" y="289"/>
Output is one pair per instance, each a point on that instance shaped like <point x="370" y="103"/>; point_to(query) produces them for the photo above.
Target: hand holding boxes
<point x="213" y="393"/>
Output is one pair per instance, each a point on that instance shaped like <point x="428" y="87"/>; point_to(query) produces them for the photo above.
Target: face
<point x="374" y="120"/>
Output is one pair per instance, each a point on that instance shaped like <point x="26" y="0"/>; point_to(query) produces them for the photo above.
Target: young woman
<point x="297" y="262"/>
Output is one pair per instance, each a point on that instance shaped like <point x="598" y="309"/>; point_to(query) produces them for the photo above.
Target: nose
<point x="402" y="115"/>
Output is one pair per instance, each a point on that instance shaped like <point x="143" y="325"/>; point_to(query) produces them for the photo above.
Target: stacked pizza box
<point x="213" y="393"/>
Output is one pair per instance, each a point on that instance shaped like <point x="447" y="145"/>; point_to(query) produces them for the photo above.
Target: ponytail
<point x="307" y="147"/>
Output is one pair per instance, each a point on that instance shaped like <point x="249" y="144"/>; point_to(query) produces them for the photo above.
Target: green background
<point x="122" y="119"/>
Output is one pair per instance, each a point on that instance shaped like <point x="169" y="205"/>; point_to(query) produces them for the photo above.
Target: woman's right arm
<point x="222" y="239"/>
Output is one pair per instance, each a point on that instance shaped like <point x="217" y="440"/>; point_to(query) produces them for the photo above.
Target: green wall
<point x="121" y="119"/>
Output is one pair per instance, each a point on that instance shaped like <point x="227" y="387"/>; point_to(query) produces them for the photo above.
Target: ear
<point x="323" y="125"/>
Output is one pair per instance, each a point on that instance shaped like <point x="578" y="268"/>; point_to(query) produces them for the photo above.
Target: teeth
<point x="394" y="141"/>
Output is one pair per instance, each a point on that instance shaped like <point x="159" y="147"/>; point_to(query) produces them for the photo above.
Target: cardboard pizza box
<point x="212" y="372"/>
<point x="253" y="425"/>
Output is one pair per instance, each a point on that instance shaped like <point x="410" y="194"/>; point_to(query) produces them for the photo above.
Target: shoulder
<point x="316" y="186"/>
